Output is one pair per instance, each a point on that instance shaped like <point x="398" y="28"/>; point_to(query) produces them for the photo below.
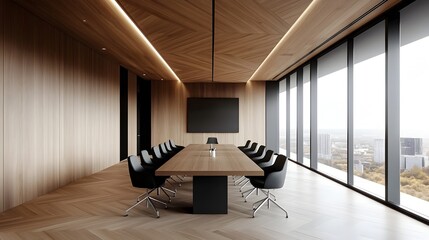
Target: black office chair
<point x="260" y="152"/>
<point x="274" y="178"/>
<point x="157" y="157"/>
<point x="144" y="178"/>
<point x="212" y="140"/>
<point x="147" y="160"/>
<point x="251" y="149"/>
<point x="166" y="154"/>
<point x="161" y="158"/>
<point x="265" y="160"/>
<point x="173" y="144"/>
<point x="255" y="154"/>
<point x="170" y="147"/>
<point x="247" y="151"/>
<point x="170" y="153"/>
<point x="246" y="148"/>
<point x="263" y="163"/>
<point x="247" y="145"/>
<point x="149" y="164"/>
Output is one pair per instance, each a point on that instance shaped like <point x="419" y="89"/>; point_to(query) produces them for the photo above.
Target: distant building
<point x="411" y="146"/>
<point x="412" y="154"/>
<point x="357" y="166"/>
<point x="324" y="146"/>
<point x="407" y="162"/>
<point x="379" y="149"/>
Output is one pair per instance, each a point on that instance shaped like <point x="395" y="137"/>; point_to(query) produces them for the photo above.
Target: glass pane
<point x="293" y="116"/>
<point x="332" y="113"/>
<point x="282" y="117"/>
<point x="306" y="115"/>
<point x="414" y="159"/>
<point x="369" y="110"/>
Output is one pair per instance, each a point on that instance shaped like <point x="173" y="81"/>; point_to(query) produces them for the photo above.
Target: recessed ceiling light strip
<point x="283" y="38"/>
<point x="334" y="35"/>
<point x="146" y="41"/>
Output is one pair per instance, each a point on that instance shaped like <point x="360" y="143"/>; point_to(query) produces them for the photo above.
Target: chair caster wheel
<point x="157" y="214"/>
<point x="125" y="215"/>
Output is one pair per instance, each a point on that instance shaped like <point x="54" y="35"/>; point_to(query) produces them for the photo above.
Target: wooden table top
<point x="195" y="160"/>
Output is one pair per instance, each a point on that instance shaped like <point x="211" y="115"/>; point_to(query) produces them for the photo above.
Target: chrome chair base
<point x="149" y="202"/>
<point x="252" y="190"/>
<point x="267" y="200"/>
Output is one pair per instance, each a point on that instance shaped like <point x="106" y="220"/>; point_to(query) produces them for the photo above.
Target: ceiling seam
<point x="213" y="37"/>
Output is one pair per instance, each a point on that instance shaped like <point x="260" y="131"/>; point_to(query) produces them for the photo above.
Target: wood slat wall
<point x="132" y="113"/>
<point x="61" y="108"/>
<point x="169" y="111"/>
<point x="1" y="104"/>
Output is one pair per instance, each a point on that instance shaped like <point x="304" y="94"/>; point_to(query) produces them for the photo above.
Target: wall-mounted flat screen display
<point x="212" y="115"/>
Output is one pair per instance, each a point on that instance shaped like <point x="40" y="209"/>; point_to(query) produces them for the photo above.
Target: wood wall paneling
<point x="61" y="108"/>
<point x="132" y="113"/>
<point x="169" y="111"/>
<point x="13" y="98"/>
<point x="1" y="105"/>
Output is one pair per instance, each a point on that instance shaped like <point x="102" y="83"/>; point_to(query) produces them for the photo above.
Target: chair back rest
<point x="276" y="174"/>
<point x="265" y="158"/>
<point x="139" y="177"/>
<point x="252" y="147"/>
<point x="261" y="150"/>
<point x="156" y="152"/>
<point x="163" y="149"/>
<point x="146" y="157"/>
<point x="172" y="143"/>
<point x="246" y="146"/>
<point x="168" y="146"/>
<point x="258" y="157"/>
<point x="212" y="140"/>
<point x="269" y="161"/>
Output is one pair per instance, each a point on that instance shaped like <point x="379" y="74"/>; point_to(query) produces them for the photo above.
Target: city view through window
<point x="369" y="143"/>
<point x="414" y="85"/>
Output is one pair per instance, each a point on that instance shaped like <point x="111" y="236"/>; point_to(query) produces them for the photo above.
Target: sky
<point x="369" y="96"/>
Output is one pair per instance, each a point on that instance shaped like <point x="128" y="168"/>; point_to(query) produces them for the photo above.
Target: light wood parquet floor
<point x="93" y="207"/>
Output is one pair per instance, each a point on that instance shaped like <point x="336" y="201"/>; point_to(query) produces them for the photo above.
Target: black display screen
<point x="212" y="115"/>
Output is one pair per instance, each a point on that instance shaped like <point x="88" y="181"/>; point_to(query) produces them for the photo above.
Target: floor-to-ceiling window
<point x="369" y="110"/>
<point x="332" y="113"/>
<point x="306" y="114"/>
<point x="373" y="137"/>
<point x="414" y="97"/>
<point x="282" y="117"/>
<point x="293" y="116"/>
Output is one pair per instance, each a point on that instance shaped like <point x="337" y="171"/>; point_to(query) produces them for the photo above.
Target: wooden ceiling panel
<point x="246" y="33"/>
<point x="321" y="22"/>
<point x="104" y="27"/>
<point x="240" y="55"/>
<point x="180" y="31"/>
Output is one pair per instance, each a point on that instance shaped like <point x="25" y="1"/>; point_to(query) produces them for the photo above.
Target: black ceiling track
<point x="335" y="35"/>
<point x="213" y="37"/>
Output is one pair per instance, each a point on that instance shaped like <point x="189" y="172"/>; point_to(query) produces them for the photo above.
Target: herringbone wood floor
<point x="92" y="208"/>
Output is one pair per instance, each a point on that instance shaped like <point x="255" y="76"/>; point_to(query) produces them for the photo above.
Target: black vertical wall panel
<point x="143" y="114"/>
<point x="123" y="111"/>
<point x="272" y="115"/>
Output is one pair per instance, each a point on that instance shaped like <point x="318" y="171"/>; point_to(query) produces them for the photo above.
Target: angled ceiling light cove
<point x="145" y="40"/>
<point x="282" y="40"/>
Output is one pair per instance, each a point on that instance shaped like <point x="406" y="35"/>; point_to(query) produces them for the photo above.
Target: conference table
<point x="210" y="173"/>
